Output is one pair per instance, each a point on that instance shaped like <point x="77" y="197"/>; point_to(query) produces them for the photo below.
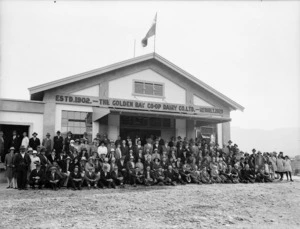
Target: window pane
<point x="64" y="114"/>
<point x="64" y="122"/>
<point x="71" y="115"/>
<point x="83" y="115"/>
<point x="77" y="124"/>
<point x="158" y="89"/>
<point x="139" y="88"/>
<point x="148" y="88"/>
<point x="77" y="115"/>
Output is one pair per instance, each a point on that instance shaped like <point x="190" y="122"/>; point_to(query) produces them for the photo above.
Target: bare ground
<point x="272" y="205"/>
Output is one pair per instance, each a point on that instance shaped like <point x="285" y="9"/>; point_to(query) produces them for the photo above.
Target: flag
<point x="150" y="33"/>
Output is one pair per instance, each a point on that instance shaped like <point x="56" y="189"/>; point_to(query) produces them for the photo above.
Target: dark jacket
<point x="35" y="173"/>
<point x="34" y="143"/>
<point x="58" y="143"/>
<point x="22" y="164"/>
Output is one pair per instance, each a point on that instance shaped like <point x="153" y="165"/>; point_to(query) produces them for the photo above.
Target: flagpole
<point x="155" y="31"/>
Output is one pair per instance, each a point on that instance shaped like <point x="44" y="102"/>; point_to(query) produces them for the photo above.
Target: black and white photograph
<point x="150" y="114"/>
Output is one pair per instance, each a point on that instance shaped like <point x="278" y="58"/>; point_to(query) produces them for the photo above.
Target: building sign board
<point x="137" y="105"/>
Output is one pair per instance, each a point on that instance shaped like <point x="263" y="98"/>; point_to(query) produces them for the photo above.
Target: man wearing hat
<point x="122" y="167"/>
<point x="53" y="178"/>
<point x="68" y="141"/>
<point x="117" y="177"/>
<point x="47" y="143"/>
<point x="34" y="141"/>
<point x="15" y="141"/>
<point x="138" y="177"/>
<point x="36" y="176"/>
<point x="76" y="178"/>
<point x="130" y="166"/>
<point x="58" y="143"/>
<point x="106" y="179"/>
<point x="22" y="163"/>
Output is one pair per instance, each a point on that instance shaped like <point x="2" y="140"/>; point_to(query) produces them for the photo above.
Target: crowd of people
<point x="103" y="163"/>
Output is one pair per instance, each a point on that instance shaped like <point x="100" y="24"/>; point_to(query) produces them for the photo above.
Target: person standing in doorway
<point x="15" y="141"/>
<point x="25" y="140"/>
<point x="34" y="142"/>
<point x="22" y="162"/>
<point x="2" y="149"/>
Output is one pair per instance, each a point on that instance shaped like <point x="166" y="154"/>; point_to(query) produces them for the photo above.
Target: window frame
<point x="148" y="82"/>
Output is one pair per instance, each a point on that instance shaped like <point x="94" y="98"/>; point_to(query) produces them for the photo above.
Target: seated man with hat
<point x="170" y="178"/>
<point x="53" y="178"/>
<point x="137" y="177"/>
<point x="106" y="180"/>
<point x="117" y="177"/>
<point x="36" y="176"/>
<point x="130" y="166"/>
<point x="160" y="176"/>
<point x="90" y="178"/>
<point x="76" y="178"/>
<point x="150" y="178"/>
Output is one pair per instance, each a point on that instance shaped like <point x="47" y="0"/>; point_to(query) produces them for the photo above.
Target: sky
<point x="247" y="50"/>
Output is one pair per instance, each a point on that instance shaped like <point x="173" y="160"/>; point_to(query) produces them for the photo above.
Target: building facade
<point x="146" y="95"/>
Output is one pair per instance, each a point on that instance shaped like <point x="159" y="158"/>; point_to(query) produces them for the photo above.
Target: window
<point x="76" y="122"/>
<point x="148" y="88"/>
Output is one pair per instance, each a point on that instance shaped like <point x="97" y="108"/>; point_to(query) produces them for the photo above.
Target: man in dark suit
<point x="67" y="142"/>
<point x="22" y="162"/>
<point x="122" y="167"/>
<point x="106" y="179"/>
<point x="36" y="177"/>
<point x="149" y="176"/>
<point x="52" y="157"/>
<point x="170" y="176"/>
<point x="58" y="143"/>
<point x="91" y="178"/>
<point x="15" y="141"/>
<point x="76" y="178"/>
<point x="53" y="178"/>
<point x="117" y="177"/>
<point x="130" y="167"/>
<point x="34" y="142"/>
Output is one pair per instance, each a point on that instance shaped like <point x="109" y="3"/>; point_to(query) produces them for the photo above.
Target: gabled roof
<point x="98" y="71"/>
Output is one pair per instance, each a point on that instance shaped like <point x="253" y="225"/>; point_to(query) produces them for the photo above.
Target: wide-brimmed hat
<point x="22" y="147"/>
<point x="229" y="141"/>
<point x="58" y="132"/>
<point x="69" y="132"/>
<point x="47" y="134"/>
<point x="12" y="148"/>
<point x="253" y="150"/>
<point x="34" y="133"/>
<point x="30" y="149"/>
<point x="112" y="149"/>
<point x="83" y="159"/>
<point x="68" y="158"/>
<point x="52" y="168"/>
<point x="34" y="152"/>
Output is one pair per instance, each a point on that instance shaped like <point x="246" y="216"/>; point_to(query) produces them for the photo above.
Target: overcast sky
<point x="249" y="50"/>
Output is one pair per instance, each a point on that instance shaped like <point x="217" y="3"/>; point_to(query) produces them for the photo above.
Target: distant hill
<point x="286" y="140"/>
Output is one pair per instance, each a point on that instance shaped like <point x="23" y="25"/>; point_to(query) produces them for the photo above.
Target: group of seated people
<point x="125" y="162"/>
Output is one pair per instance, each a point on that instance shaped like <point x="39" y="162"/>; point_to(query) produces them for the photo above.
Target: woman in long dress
<point x="280" y="166"/>
<point x="273" y="160"/>
<point x="288" y="168"/>
<point x="9" y="165"/>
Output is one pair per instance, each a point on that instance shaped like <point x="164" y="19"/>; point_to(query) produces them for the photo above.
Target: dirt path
<point x="275" y="205"/>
